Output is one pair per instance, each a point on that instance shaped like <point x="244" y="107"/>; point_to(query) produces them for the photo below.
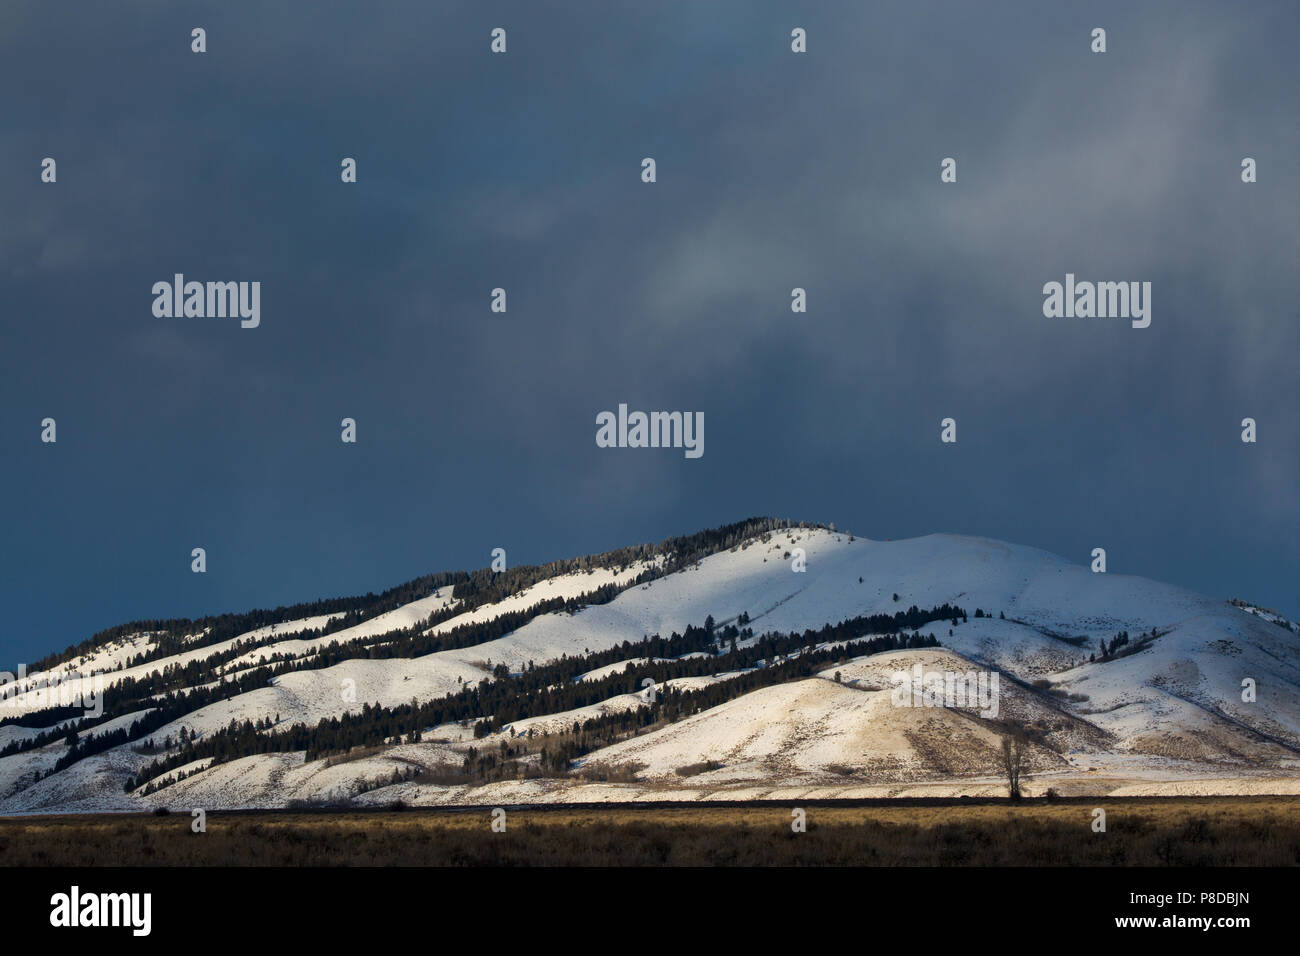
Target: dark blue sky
<point x="776" y="170"/>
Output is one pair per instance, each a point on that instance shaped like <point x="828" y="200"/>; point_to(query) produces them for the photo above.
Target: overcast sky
<point x="775" y="170"/>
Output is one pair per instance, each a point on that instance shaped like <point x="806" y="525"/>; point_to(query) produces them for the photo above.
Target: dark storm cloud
<point x="775" y="170"/>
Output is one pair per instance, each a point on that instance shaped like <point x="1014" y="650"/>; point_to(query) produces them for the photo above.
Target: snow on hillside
<point x="1268" y="615"/>
<point x="1183" y="693"/>
<point x="1016" y="648"/>
<point x="106" y="657"/>
<point x="90" y="682"/>
<point x="1033" y="586"/>
<point x="565" y="586"/>
<point x="407" y="615"/>
<point x="1167" y="707"/>
<point x="852" y="727"/>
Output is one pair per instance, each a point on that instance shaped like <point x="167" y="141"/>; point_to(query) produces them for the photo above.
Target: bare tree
<point x="1013" y="761"/>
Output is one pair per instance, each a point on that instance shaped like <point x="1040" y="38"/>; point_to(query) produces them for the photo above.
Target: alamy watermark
<point x="209" y="300"/>
<point x="57" y="689"/>
<point x="978" y="689"/>
<point x="1100" y="300"/>
<point x="76" y="908"/>
<point x="652" y="430"/>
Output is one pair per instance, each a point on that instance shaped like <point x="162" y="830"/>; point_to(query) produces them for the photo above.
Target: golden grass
<point x="1219" y="831"/>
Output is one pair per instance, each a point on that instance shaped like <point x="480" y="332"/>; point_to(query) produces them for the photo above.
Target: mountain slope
<point x="1166" y="707"/>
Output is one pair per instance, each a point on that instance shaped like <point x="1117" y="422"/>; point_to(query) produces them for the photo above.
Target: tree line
<point x="554" y="688"/>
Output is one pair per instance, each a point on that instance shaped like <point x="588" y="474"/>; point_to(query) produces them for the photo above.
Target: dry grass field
<point x="1177" y="831"/>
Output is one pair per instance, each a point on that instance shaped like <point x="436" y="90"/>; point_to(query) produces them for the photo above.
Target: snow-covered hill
<point x="1203" y="694"/>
